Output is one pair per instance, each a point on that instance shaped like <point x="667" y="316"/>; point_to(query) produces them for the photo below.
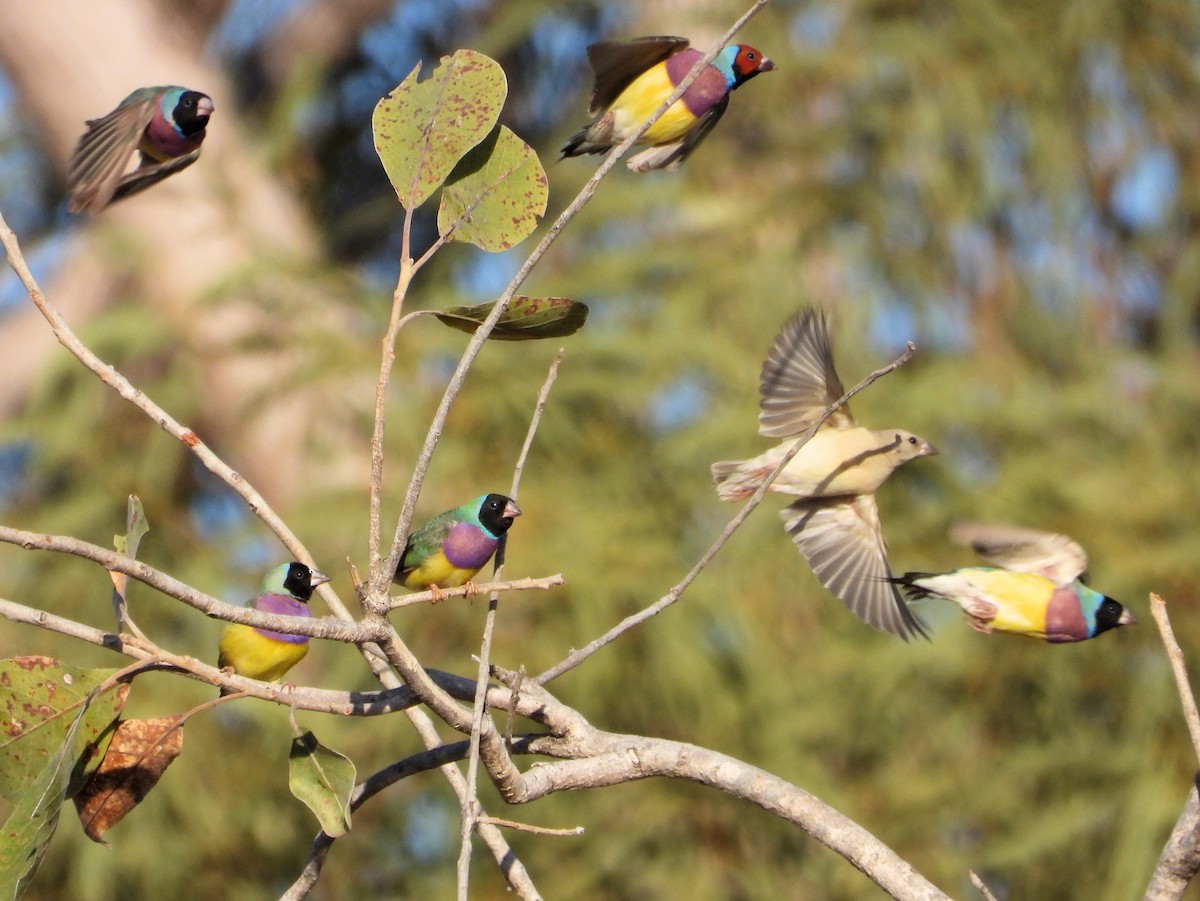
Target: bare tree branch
<point x="1180" y="860"/>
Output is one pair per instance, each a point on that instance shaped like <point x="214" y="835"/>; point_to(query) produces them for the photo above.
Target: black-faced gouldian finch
<point x="261" y="653"/>
<point x="164" y="124"/>
<point x="835" y="524"/>
<point x="633" y="78"/>
<point x="452" y="547"/>
<point x="1036" y="591"/>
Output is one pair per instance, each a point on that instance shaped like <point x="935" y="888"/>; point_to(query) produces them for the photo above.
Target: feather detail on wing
<point x="840" y="537"/>
<point x="1055" y="557"/>
<point x="103" y="153"/>
<point x="798" y="380"/>
<point x="618" y="63"/>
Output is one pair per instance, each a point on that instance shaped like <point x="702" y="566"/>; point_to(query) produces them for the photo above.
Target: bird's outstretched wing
<point x="798" y="380"/>
<point x="841" y="539"/>
<point x="103" y="153"/>
<point x="1056" y="557"/>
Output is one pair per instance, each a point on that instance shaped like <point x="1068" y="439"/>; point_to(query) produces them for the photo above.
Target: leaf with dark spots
<point x="137" y="757"/>
<point x="423" y="128"/>
<point x="525" y="319"/>
<point x="39" y="700"/>
<point x="496" y="194"/>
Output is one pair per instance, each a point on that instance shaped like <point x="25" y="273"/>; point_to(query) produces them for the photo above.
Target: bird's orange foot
<point x="470" y="588"/>
<point x="437" y="594"/>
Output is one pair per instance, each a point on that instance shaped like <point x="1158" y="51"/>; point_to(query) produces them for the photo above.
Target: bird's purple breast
<point x="165" y="142"/>
<point x="468" y="546"/>
<point x="287" y="606"/>
<point x="1064" y="617"/>
<point x="706" y="91"/>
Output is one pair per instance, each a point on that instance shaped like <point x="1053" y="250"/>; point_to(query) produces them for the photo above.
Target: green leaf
<point x="525" y="319"/>
<point x="323" y="779"/>
<point x="495" y="195"/>
<point x="34" y="817"/>
<point x="40" y="699"/>
<point x="423" y="129"/>
<point x="136" y="528"/>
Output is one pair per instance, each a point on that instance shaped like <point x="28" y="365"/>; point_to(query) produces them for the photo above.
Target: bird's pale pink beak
<point x="1126" y="619"/>
<point x="317" y="578"/>
<point x="511" y="509"/>
<point x="928" y="450"/>
<point x="766" y="65"/>
<point x="205" y="107"/>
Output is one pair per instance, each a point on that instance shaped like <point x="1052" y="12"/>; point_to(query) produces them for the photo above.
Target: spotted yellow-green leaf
<point x="525" y="319"/>
<point x="323" y="779"/>
<point x="39" y="701"/>
<point x="495" y="195"/>
<point x="423" y="128"/>
<point x="30" y="825"/>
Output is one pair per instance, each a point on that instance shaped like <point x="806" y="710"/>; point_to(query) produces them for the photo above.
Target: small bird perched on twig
<point x="261" y="653"/>
<point x="835" y="524"/>
<point x="1037" y="591"/>
<point x="166" y="125"/>
<point x="452" y="547"/>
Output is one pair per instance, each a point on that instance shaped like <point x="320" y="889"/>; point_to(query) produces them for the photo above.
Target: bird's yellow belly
<point x="1021" y="599"/>
<point x="638" y="102"/>
<point x="256" y="656"/>
<point x="439" y="571"/>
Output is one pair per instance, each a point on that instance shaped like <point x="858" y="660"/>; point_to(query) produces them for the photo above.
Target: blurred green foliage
<point x="945" y="172"/>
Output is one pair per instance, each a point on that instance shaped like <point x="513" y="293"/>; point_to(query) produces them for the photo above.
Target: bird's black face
<point x="497" y="513"/>
<point x="1108" y="615"/>
<point x="299" y="581"/>
<point x="192" y="111"/>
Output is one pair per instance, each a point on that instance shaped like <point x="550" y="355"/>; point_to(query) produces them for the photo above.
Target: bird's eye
<point x="749" y="56"/>
<point x="912" y="440"/>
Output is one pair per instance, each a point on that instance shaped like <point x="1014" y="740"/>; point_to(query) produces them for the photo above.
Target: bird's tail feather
<point x="908" y="582"/>
<point x="734" y="482"/>
<point x="580" y="144"/>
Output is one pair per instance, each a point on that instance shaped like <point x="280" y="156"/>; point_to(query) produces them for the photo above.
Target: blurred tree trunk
<point x="181" y="243"/>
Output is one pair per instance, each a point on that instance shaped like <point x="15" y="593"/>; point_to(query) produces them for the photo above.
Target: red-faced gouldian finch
<point x="261" y="653"/>
<point x="633" y="78"/>
<point x="1036" y="592"/>
<point x="166" y="125"/>
<point x="835" y="524"/>
<point x="452" y="547"/>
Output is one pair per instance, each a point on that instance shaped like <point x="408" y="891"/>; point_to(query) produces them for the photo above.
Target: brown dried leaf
<point x="140" y="752"/>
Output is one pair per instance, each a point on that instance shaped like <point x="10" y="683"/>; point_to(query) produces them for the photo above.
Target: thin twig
<point x="981" y="886"/>
<point x="577" y="657"/>
<point x="380" y="579"/>
<point x="469" y="812"/>
<point x="526" y="584"/>
<point x="526" y="827"/>
<point x="1158" y="609"/>
<point x="514" y="699"/>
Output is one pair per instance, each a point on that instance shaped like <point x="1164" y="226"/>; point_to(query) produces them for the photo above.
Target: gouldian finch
<point x="452" y="547"/>
<point x="261" y="653"/>
<point x="1036" y="592"/>
<point x="835" y="524"/>
<point x="633" y="78"/>
<point x="165" y="124"/>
